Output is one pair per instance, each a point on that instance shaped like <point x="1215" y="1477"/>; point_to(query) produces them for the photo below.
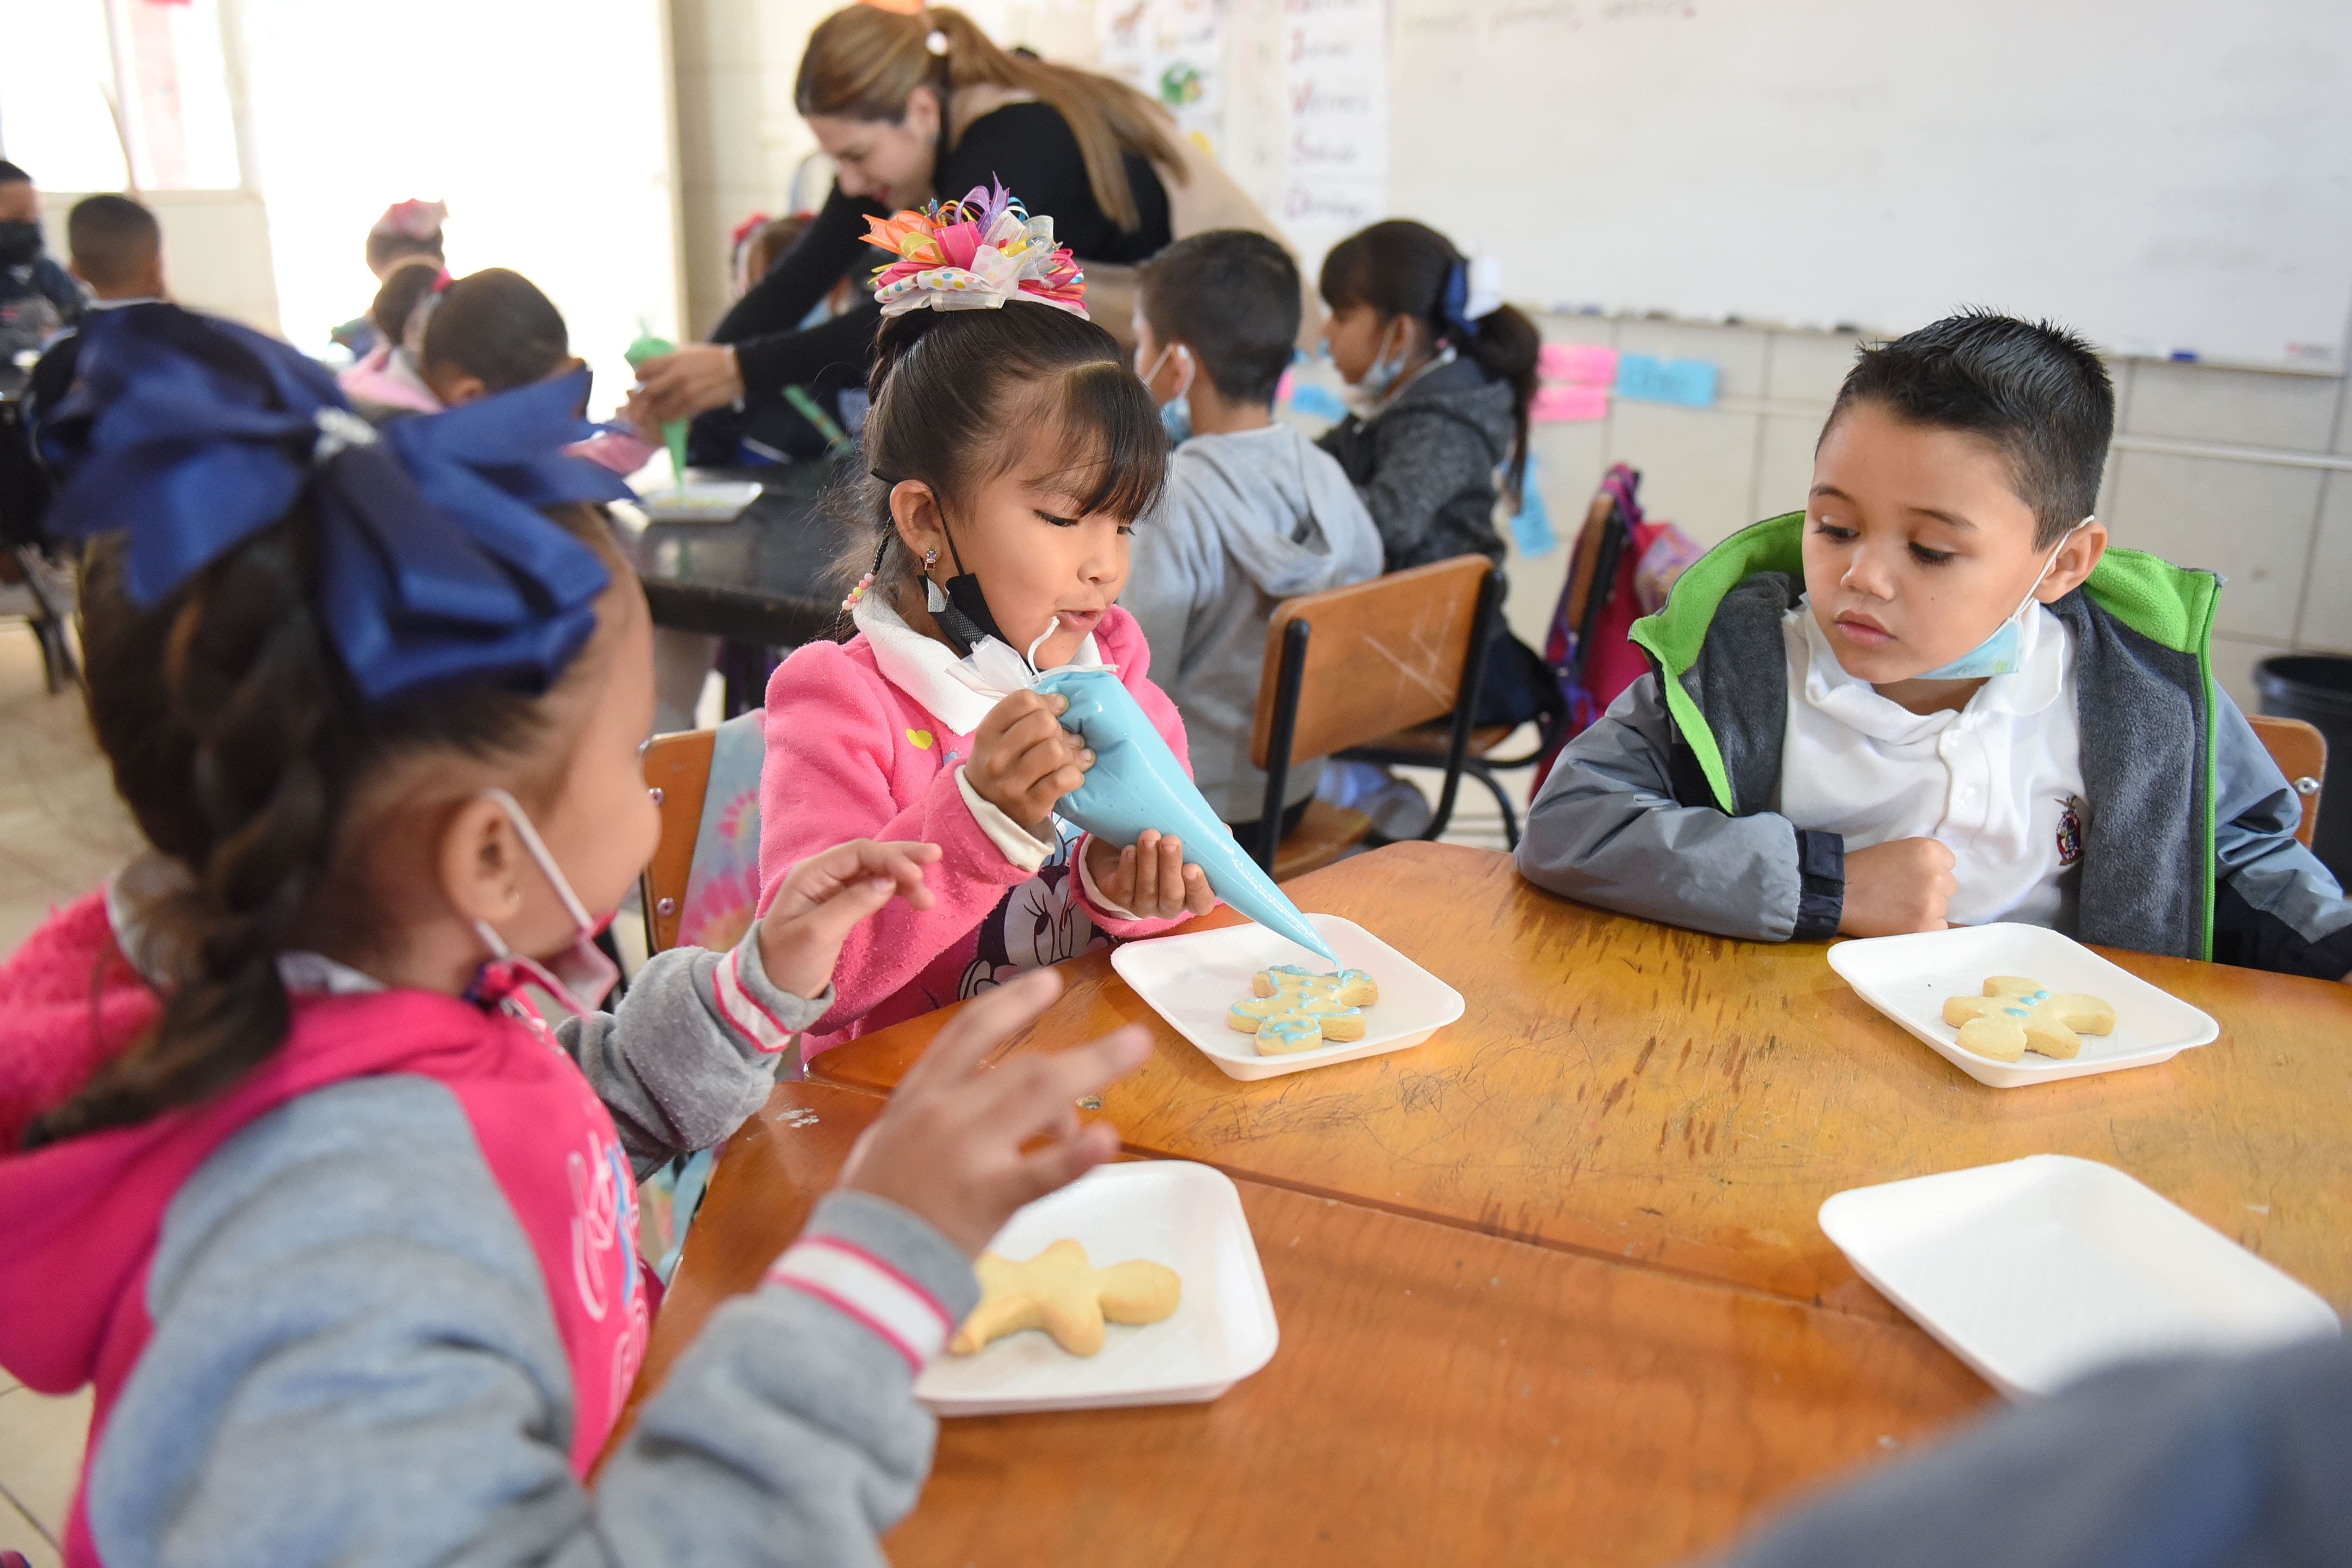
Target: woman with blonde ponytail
<point x="913" y="105"/>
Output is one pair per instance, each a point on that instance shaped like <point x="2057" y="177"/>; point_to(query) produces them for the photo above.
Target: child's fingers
<point x="1171" y="875"/>
<point x="985" y="1023"/>
<point x="1057" y="1164"/>
<point x="1031" y="1094"/>
<point x="1198" y="896"/>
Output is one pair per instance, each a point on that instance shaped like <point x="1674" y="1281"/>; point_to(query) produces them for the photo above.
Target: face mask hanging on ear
<point x="1176" y="414"/>
<point x="1385" y="369"/>
<point x="962" y="610"/>
<point x="580" y="976"/>
<point x="2002" y="652"/>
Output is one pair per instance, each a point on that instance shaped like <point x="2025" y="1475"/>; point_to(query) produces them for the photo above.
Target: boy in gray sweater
<point x="1254" y="514"/>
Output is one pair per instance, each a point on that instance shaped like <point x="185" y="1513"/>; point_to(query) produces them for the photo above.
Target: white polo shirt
<point x="1999" y="782"/>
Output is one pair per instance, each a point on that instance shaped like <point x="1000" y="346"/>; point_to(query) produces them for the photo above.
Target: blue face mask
<point x="2003" y="651"/>
<point x="1176" y="414"/>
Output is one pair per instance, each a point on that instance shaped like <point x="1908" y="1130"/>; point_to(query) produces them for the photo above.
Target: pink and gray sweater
<point x="866" y="739"/>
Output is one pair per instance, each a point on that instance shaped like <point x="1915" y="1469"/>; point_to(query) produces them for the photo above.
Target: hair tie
<point x="974" y="255"/>
<point x="936" y="42"/>
<point x="1474" y="291"/>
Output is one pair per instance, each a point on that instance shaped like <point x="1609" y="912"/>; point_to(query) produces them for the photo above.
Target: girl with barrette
<point x="341" y="1230"/>
<point x="1010" y="451"/>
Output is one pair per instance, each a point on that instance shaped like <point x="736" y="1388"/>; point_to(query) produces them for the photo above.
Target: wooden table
<point x="1550" y="1285"/>
<point x="1639" y="1092"/>
<point x="1440" y="1396"/>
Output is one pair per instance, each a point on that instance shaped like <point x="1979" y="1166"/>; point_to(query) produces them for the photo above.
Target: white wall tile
<point x="1570" y="460"/>
<point x="2327" y="620"/>
<point x="715" y="32"/>
<point x="2235" y="659"/>
<point x="2240" y="408"/>
<point x="1784" y="464"/>
<point x="1808" y="367"/>
<point x="2249" y="521"/>
<point x="1558" y="327"/>
<point x="1737" y="352"/>
<point x="1698" y="466"/>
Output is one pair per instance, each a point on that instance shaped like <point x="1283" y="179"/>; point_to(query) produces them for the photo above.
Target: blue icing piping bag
<point x="1136" y="783"/>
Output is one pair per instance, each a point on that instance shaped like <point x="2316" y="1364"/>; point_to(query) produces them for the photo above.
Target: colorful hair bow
<point x="974" y="255"/>
<point x="191" y="434"/>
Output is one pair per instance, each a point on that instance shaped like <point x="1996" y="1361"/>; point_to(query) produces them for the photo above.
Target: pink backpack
<point x="1621" y="569"/>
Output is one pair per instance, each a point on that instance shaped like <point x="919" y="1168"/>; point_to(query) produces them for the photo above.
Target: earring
<point x="931" y="559"/>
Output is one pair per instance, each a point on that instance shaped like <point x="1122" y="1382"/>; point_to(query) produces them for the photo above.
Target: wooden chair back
<point x="2301" y="753"/>
<point x="677" y="772"/>
<point x="1351" y="664"/>
<point x="1382" y="655"/>
<point x="1585" y="570"/>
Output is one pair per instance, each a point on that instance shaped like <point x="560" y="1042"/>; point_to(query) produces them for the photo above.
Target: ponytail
<point x="1400" y="268"/>
<point x="864" y="63"/>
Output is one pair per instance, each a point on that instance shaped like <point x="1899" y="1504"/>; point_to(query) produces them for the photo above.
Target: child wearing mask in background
<point x="37" y="297"/>
<point x="1254" y="513"/>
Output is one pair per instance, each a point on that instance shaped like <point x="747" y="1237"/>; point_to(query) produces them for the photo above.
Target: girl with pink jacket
<point x="1010" y="451"/>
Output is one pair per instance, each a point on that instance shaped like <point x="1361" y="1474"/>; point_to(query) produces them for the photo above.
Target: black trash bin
<point x="2317" y="689"/>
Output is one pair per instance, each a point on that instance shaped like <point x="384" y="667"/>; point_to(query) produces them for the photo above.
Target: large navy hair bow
<point x="191" y="434"/>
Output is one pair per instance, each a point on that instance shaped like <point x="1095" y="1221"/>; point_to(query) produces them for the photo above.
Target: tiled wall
<point x="2247" y="472"/>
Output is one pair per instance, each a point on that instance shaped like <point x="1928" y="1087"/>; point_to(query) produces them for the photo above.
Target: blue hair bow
<point x="191" y="434"/>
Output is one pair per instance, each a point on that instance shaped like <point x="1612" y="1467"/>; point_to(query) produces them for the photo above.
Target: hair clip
<point x="936" y="42"/>
<point x="974" y="255"/>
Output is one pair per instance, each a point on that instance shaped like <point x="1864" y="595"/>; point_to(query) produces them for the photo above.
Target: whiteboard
<point x="2163" y="175"/>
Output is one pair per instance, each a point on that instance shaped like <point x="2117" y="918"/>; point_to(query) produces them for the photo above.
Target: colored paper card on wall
<point x="1558" y="404"/>
<point x="1316" y="402"/>
<point x="1531" y="524"/>
<point x="1690" y="382"/>
<point x="1586" y="364"/>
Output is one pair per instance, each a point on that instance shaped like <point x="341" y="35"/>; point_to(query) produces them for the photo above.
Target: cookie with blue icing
<point x="2016" y="1015"/>
<point x="1351" y="988"/>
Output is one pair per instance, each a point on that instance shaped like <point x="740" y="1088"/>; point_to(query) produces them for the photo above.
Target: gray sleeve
<point x="679" y="1066"/>
<point x="1607" y="831"/>
<point x="354" y="1363"/>
<point x="2198" y="1464"/>
<point x="2277" y="906"/>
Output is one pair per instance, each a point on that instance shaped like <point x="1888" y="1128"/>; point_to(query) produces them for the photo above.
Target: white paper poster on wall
<point x="1173" y="51"/>
<point x="1335" y="92"/>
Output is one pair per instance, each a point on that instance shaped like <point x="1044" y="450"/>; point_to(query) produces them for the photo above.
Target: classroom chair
<point x="1349" y="665"/>
<point x="2301" y="753"/>
<point x="702" y="887"/>
<point x="1601" y="544"/>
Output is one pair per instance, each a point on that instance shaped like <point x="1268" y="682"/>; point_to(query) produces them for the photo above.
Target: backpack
<point x="1621" y="569"/>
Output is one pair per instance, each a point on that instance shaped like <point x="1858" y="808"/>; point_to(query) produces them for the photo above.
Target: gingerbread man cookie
<point x="2016" y="1015"/>
<point x="1059" y="1292"/>
<point x="1296" y="1009"/>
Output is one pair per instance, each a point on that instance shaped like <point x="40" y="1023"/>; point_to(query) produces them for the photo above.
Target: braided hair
<point x="239" y="742"/>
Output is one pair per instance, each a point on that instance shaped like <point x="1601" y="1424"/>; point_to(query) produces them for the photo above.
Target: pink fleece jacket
<point x="865" y="739"/>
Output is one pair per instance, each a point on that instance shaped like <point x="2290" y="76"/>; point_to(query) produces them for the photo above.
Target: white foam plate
<point x="1907" y="979"/>
<point x="2038" y="1270"/>
<point x="1190" y="980"/>
<point x="702" y="501"/>
<point x="1186" y="1215"/>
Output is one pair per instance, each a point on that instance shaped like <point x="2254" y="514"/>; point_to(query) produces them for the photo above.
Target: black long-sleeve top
<point x="1029" y="146"/>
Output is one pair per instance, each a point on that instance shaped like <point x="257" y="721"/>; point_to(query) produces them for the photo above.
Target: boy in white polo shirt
<point x="1935" y="698"/>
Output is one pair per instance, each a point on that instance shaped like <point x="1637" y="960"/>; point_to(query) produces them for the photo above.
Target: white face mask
<point x="580" y="976"/>
<point x="1176" y="414"/>
<point x="1379" y="381"/>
